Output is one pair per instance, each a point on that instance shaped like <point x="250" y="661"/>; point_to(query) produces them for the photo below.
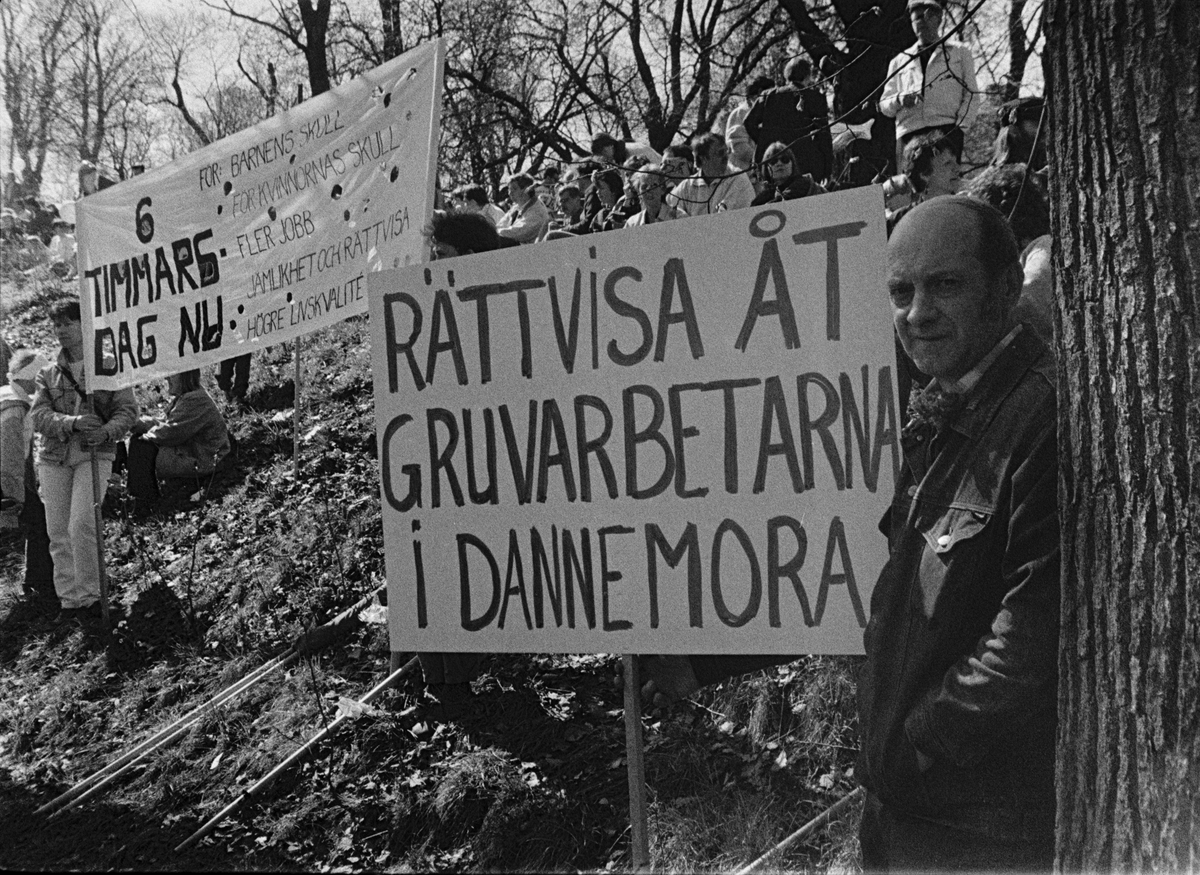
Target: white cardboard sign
<point x="674" y="439"/>
<point x="263" y="236"/>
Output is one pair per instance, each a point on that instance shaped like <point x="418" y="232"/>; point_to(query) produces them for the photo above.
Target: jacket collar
<point x="1024" y="353"/>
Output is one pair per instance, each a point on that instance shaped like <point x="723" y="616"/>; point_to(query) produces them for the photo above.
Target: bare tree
<point x="1125" y="173"/>
<point x="38" y="38"/>
<point x="305" y="26"/>
<point x="689" y="58"/>
<point x="105" y="77"/>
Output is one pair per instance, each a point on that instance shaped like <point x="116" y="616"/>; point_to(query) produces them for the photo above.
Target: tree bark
<point x="1125" y="178"/>
<point x="314" y="14"/>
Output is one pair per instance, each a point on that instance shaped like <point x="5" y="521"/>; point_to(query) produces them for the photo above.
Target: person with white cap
<point x="932" y="84"/>
<point x="20" y="506"/>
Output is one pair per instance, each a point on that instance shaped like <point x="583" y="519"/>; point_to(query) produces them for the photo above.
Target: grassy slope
<point x="532" y="778"/>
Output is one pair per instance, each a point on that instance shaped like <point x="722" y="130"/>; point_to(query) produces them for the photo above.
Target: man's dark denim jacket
<point x="962" y="645"/>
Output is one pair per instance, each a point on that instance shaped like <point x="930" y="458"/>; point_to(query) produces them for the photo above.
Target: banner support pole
<point x="97" y="501"/>
<point x="296" y="416"/>
<point x="639" y="849"/>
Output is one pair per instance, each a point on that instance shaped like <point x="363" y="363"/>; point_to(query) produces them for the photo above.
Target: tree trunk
<point x="1125" y="177"/>
<point x="314" y="15"/>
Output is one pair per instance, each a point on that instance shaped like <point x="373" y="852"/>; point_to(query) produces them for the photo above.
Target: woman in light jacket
<point x="67" y="433"/>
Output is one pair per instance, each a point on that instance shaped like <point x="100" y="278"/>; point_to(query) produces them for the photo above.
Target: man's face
<point x="569" y="203"/>
<point x="944" y="174"/>
<point x="943" y="300"/>
<point x="517" y="194"/>
<point x="676" y="168"/>
<point x="716" y="161"/>
<point x="926" y="23"/>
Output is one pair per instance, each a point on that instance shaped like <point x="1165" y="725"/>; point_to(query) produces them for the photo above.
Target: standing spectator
<point x="715" y="186"/>
<point x="651" y="186"/>
<point x="191" y="442"/>
<point x="20" y="505"/>
<point x="932" y="84"/>
<point x="62" y="249"/>
<point x="797" y="115"/>
<point x="473" y="199"/>
<point x="528" y="219"/>
<point x="783" y="181"/>
<point x="90" y="180"/>
<point x="741" y="145"/>
<point x="67" y="435"/>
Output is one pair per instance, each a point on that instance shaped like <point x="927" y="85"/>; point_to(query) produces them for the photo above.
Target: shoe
<point x="88" y="615"/>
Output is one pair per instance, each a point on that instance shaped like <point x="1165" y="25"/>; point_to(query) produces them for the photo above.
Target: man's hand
<point x="88" y="422"/>
<point x="910" y="99"/>
<point x="94" y="437"/>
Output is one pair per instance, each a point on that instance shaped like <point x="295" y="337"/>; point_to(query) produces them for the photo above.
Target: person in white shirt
<point x="716" y="185"/>
<point x="528" y="219"/>
<point x="932" y="84"/>
<point x="61" y="251"/>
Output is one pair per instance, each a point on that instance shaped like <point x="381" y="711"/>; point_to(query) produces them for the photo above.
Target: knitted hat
<point x="26" y="365"/>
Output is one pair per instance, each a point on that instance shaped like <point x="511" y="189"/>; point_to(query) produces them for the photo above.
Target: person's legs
<point x="241" y="375"/>
<point x="893" y="841"/>
<point x="55" y="483"/>
<point x="39" y="567"/>
<point x="141" y="479"/>
<point x="84" y="537"/>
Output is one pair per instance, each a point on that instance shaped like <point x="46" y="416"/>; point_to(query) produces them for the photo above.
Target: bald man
<point x="957" y="697"/>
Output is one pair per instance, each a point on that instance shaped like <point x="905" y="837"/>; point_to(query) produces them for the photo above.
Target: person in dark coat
<point x="797" y="115"/>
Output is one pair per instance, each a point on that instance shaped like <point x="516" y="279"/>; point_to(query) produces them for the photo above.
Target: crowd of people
<point x="957" y="690"/>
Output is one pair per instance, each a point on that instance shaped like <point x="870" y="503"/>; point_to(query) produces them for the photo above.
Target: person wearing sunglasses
<point x="783" y="178"/>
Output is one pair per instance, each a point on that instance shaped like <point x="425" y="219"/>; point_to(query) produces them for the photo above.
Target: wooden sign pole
<point x="639" y="851"/>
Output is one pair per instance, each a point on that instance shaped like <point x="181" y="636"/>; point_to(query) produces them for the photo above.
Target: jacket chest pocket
<point x="955" y="539"/>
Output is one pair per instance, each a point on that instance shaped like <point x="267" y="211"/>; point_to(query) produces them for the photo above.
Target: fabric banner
<point x="263" y="236"/>
<point x="674" y="439"/>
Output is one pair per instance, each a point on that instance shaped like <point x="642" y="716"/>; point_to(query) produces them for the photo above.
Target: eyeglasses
<point x="777" y="160"/>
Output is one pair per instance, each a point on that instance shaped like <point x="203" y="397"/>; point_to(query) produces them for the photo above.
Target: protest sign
<point x="263" y="236"/>
<point x="674" y="439"/>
